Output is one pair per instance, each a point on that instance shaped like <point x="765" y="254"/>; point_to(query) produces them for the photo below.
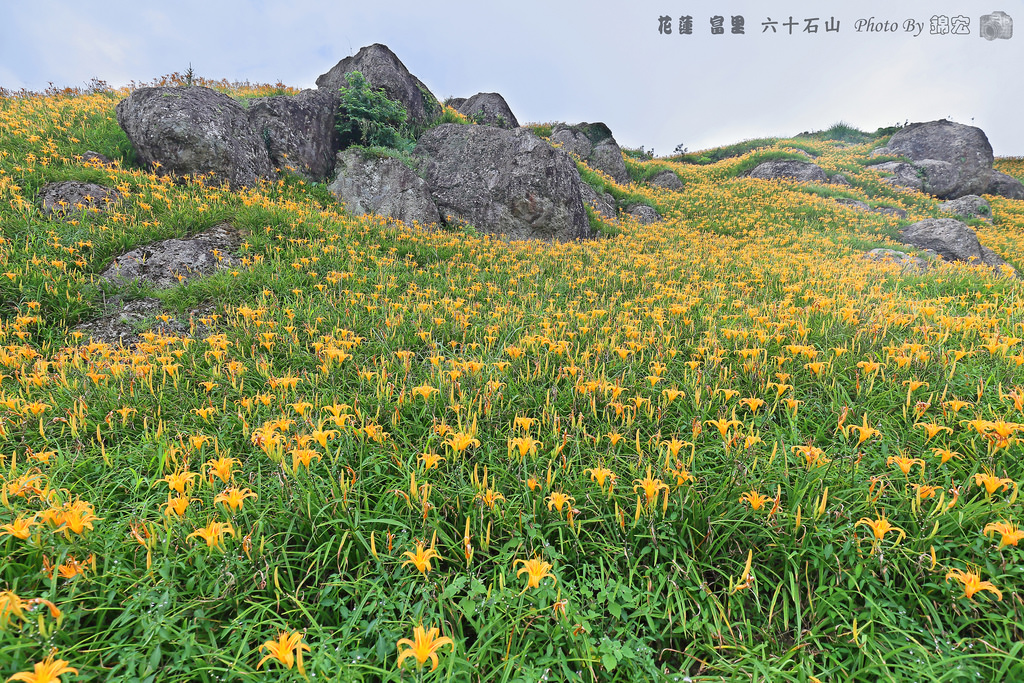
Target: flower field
<point x="719" y="447"/>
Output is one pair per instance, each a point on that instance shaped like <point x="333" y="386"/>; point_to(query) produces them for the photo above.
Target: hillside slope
<point x="719" y="446"/>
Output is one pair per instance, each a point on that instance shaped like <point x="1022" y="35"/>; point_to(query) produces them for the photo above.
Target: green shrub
<point x="370" y="118"/>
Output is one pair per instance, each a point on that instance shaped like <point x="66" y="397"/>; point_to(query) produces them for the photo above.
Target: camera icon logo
<point x="996" y="25"/>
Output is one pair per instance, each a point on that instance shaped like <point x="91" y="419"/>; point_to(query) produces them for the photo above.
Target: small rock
<point x="791" y="169"/>
<point x="968" y="206"/>
<point x="91" y="158"/>
<point x="170" y="262"/>
<point x="840" y="179"/>
<point x="909" y="263"/>
<point x="853" y="203"/>
<point x="644" y="214"/>
<point x="1005" y="186"/>
<point x="666" y="179"/>
<point x="951" y="239"/>
<point x="71" y="196"/>
<point x="891" y="211"/>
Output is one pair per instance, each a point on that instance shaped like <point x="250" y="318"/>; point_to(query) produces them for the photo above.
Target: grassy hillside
<point x="720" y="447"/>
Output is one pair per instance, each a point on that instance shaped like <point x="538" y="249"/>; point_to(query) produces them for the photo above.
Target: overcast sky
<point x="600" y="60"/>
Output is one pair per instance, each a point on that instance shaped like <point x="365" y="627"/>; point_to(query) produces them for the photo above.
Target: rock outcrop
<point x="594" y="144"/>
<point x="789" y="169"/>
<point x="384" y="70"/>
<point x="193" y="131"/>
<point x="299" y="131"/>
<point x="951" y="239"/>
<point x="504" y="182"/>
<point x="489" y="109"/>
<point x="949" y="159"/>
<point x="383" y="186"/>
<point x="1005" y="186"/>
<point x="69" y="197"/>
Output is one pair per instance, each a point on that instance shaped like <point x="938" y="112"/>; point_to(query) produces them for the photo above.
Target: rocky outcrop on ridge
<point x="504" y="182"/>
<point x="193" y="131"/>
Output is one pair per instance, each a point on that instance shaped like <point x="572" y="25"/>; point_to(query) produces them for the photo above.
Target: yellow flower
<point x="600" y="475"/>
<point x="21" y="527"/>
<point x="179" y="480"/>
<point x="47" y="671"/>
<point x="904" y="462"/>
<point x="489" y="497"/>
<point x="746" y="578"/>
<point x="879" y="528"/>
<point x="755" y="499"/>
<point x="177" y="505"/>
<point x="421" y="558"/>
<point x="234" y="497"/>
<point x="213" y="533"/>
<point x="991" y="482"/>
<point x="424" y="646"/>
<point x="864" y="431"/>
<point x="460" y="441"/>
<point x="1009" y="533"/>
<point x="222" y="467"/>
<point x="424" y="390"/>
<point x="536" y="569"/>
<point x="972" y="583"/>
<point x="429" y="460"/>
<point x="651" y="486"/>
<point x="287" y="649"/>
<point x="559" y="500"/>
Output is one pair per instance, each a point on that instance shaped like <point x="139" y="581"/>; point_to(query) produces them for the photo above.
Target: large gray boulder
<point x="384" y="70"/>
<point x="951" y="239"/>
<point x="384" y="186"/>
<point x="299" y="131"/>
<point x="954" y="159"/>
<point x="594" y="144"/>
<point x="789" y="169"/>
<point x="192" y="131"/>
<point x="504" y="182"/>
<point x="69" y="197"/>
<point x="1005" y="186"/>
<point x="489" y="109"/>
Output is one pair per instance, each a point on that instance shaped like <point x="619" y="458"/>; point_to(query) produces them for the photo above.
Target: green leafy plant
<point x="369" y="117"/>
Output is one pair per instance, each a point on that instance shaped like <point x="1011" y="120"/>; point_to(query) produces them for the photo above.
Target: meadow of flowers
<point x="719" y="447"/>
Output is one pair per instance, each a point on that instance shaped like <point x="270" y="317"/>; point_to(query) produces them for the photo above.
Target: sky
<point x="602" y="60"/>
